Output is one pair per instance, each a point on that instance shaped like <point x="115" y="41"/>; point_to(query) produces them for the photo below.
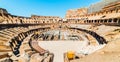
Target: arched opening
<point x="115" y="20"/>
<point x="95" y="21"/>
<point x="11" y="21"/>
<point x="85" y="21"/>
<point x="105" y="21"/>
<point x="98" y="21"/>
<point x="110" y="20"/>
<point x="92" y="21"/>
<point x="21" y="21"/>
<point x="43" y="21"/>
<point x="7" y="21"/>
<point x="89" y="21"/>
<point x="101" y="21"/>
<point x="16" y="21"/>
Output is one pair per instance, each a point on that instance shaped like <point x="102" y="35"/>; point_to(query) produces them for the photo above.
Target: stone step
<point x="4" y="56"/>
<point x="3" y="47"/>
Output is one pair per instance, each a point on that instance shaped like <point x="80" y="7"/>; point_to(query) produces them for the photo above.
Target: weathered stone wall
<point x="3" y="11"/>
<point x="75" y="13"/>
<point x="46" y="19"/>
<point x="6" y="18"/>
<point x="109" y="14"/>
<point x="98" y="6"/>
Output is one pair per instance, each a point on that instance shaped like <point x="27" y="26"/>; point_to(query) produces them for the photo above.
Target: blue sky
<point x="43" y="7"/>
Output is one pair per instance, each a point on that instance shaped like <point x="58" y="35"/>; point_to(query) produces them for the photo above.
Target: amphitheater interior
<point x="50" y="38"/>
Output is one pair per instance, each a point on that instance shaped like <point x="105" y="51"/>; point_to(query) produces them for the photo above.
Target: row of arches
<point x="112" y="21"/>
<point x="11" y="19"/>
<point x="105" y="16"/>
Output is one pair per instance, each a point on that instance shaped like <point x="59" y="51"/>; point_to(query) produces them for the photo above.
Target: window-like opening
<point x="21" y="21"/>
<point x="84" y="21"/>
<point x="115" y="20"/>
<point x="43" y="21"/>
<point x="110" y="20"/>
<point x="105" y="20"/>
<point x="111" y="11"/>
<point x="98" y="21"/>
<point x="95" y="21"/>
<point x="87" y="20"/>
<point x="101" y="21"/>
<point x="12" y="21"/>
<point x="92" y="21"/>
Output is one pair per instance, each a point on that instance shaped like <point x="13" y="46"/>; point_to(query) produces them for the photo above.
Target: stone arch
<point x="92" y="21"/>
<point x="101" y="21"/>
<point x="110" y="20"/>
<point x="7" y="21"/>
<point x="85" y="21"/>
<point x="105" y="21"/>
<point x="95" y="21"/>
<point x="21" y="21"/>
<point x="89" y="21"/>
<point x="115" y="20"/>
<point x="98" y="21"/>
<point x="99" y="38"/>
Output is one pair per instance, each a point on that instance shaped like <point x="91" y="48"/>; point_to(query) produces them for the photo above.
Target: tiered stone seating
<point x="5" y="58"/>
<point x="12" y="38"/>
